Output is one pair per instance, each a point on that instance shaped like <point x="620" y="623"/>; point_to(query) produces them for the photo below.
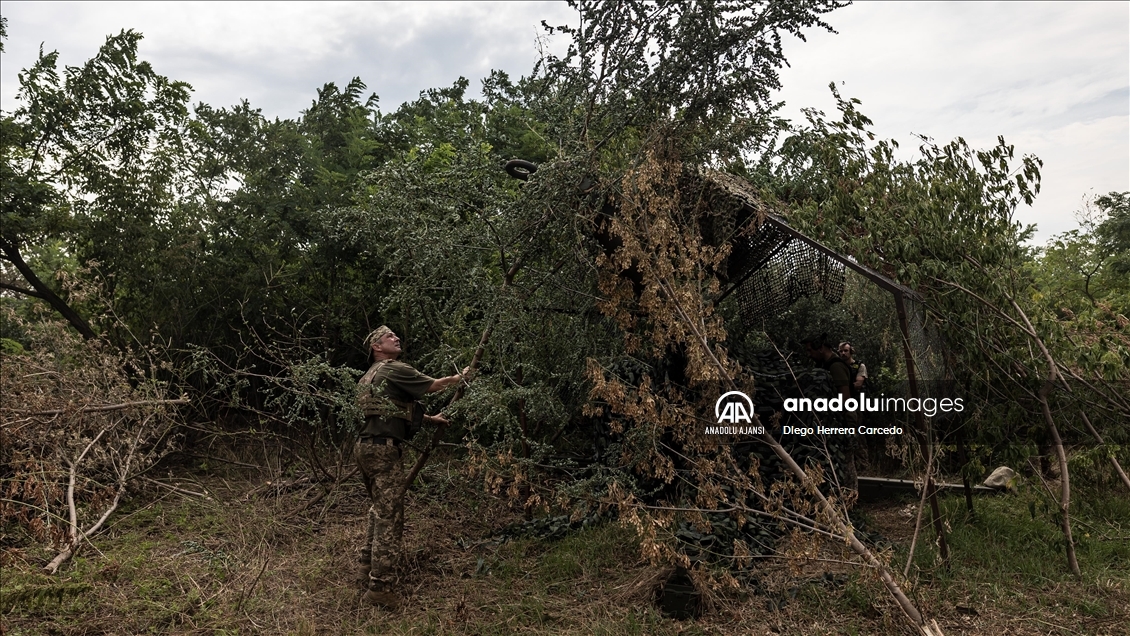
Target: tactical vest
<point x="854" y="375"/>
<point x="386" y="417"/>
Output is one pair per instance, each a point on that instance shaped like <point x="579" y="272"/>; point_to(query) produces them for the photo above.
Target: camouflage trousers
<point x="382" y="471"/>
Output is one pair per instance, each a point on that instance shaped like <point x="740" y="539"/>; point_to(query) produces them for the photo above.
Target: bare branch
<point x="918" y="518"/>
<point x="21" y="290"/>
<point x="101" y="408"/>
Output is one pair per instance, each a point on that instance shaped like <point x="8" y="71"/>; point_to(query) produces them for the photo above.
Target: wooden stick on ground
<point x="918" y="520"/>
<point x="77" y="537"/>
<point x="176" y="489"/>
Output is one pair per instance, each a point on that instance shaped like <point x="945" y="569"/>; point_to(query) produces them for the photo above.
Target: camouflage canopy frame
<point x="771" y="265"/>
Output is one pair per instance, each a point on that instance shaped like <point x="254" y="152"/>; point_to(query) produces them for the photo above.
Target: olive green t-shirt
<point x="401" y="381"/>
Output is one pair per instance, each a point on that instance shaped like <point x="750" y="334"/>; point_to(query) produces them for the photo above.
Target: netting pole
<point x="912" y="379"/>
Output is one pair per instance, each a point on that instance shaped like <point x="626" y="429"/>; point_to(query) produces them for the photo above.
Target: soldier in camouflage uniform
<point x="820" y="350"/>
<point x="389" y="394"/>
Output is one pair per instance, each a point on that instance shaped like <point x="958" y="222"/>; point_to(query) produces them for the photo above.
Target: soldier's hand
<point x="438" y="420"/>
<point x="467" y="374"/>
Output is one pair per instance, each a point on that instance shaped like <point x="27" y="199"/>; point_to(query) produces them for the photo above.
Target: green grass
<point x="585" y="554"/>
<point x="1010" y="555"/>
<point x="1004" y="541"/>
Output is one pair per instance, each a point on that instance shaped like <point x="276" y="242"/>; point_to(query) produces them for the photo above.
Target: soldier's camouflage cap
<point x="376" y="335"/>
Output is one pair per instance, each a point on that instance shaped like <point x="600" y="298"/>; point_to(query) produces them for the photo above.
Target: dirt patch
<point x="893" y="520"/>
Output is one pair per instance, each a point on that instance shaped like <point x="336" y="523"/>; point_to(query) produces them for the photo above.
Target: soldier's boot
<point x="362" y="578"/>
<point x="384" y="599"/>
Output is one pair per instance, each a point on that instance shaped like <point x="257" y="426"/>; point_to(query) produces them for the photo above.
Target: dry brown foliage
<point x="81" y="420"/>
<point x="665" y="214"/>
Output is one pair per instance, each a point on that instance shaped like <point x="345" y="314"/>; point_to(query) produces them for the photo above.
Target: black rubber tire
<point x="520" y="169"/>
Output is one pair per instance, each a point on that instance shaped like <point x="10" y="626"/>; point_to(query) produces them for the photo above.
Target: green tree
<point x="91" y="154"/>
<point x="1089" y="265"/>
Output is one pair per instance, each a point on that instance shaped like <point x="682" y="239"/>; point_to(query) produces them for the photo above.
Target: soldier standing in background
<point x="820" y="350"/>
<point x="388" y="394"/>
<point x="858" y="370"/>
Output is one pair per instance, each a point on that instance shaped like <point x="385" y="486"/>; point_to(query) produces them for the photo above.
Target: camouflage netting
<point x="782" y="270"/>
<point x="769" y="268"/>
<point x="926" y="349"/>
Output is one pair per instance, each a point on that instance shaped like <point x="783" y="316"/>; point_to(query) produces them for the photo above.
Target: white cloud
<point x="1053" y="78"/>
<point x="277" y="54"/>
<point x="1081" y="158"/>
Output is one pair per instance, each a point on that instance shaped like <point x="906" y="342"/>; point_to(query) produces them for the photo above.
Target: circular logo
<point x="737" y="412"/>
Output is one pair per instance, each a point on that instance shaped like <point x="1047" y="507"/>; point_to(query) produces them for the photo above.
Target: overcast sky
<point x="1054" y="79"/>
